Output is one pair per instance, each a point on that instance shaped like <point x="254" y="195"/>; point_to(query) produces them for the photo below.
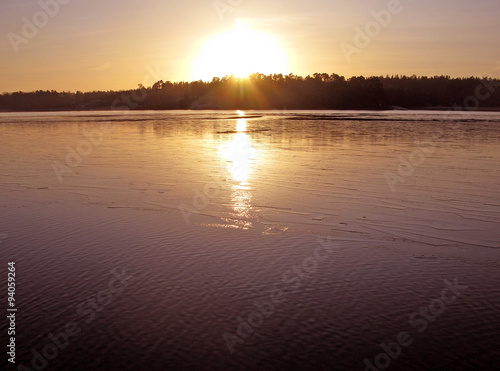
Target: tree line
<point x="258" y="91"/>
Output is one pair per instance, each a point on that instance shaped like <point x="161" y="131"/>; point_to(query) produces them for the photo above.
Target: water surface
<point x="209" y="212"/>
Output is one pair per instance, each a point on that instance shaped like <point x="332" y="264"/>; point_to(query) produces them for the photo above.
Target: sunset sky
<point x="108" y="45"/>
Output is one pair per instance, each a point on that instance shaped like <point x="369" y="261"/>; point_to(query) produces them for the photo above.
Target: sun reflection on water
<point x="241" y="125"/>
<point x="240" y="155"/>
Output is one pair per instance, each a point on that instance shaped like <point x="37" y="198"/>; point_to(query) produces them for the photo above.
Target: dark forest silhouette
<point x="319" y="91"/>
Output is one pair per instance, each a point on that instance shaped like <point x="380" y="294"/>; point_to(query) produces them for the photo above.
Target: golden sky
<point x="90" y="45"/>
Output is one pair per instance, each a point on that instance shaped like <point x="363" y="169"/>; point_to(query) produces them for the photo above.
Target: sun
<point x="239" y="52"/>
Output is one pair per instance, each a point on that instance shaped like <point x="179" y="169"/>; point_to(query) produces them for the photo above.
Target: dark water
<point x="269" y="241"/>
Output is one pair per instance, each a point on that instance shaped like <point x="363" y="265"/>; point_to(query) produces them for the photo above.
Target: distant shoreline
<point x="482" y="109"/>
<point x="402" y="109"/>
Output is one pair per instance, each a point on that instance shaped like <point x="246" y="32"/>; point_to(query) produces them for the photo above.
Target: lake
<point x="258" y="240"/>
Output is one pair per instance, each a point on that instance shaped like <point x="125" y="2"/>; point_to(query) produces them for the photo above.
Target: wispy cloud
<point x="104" y="66"/>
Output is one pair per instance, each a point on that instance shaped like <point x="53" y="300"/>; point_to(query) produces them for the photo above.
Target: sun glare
<point x="239" y="52"/>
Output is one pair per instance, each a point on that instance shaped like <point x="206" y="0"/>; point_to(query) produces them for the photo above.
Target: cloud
<point x="104" y="66"/>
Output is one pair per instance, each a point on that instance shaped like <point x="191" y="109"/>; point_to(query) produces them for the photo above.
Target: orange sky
<point x="108" y="45"/>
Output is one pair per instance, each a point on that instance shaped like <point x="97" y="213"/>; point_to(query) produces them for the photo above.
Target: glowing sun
<point x="239" y="52"/>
